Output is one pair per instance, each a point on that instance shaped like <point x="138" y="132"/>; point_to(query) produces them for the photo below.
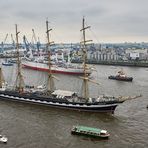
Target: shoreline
<point x="115" y="63"/>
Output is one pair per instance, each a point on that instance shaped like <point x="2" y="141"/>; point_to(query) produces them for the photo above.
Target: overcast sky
<point x="110" y="20"/>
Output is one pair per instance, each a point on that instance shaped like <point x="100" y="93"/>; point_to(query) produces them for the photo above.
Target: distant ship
<point x="121" y="76"/>
<point x="64" y="68"/>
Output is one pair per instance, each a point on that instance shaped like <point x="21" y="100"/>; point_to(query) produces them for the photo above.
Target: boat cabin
<point x="103" y="132"/>
<point x="64" y="94"/>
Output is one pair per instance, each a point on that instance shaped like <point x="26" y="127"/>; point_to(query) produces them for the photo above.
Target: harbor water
<point x="36" y="126"/>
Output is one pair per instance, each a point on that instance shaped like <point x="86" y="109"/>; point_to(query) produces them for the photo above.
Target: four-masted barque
<point x="58" y="98"/>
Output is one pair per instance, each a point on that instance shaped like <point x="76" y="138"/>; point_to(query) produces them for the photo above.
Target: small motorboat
<point x="89" y="131"/>
<point x="3" y="139"/>
<point x="7" y="64"/>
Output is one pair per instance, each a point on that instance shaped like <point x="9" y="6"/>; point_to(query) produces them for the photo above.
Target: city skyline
<point x="111" y="21"/>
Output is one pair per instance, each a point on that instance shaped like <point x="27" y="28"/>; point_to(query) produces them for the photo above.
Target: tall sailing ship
<point x="58" y="98"/>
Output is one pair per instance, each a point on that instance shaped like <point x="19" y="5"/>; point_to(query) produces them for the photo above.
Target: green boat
<point x="89" y="131"/>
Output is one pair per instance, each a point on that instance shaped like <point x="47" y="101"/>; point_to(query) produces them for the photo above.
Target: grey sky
<point x="110" y="20"/>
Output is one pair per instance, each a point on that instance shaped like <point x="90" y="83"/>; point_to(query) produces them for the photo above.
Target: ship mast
<point x="85" y="76"/>
<point x="1" y="78"/>
<point x="50" y="82"/>
<point x="19" y="79"/>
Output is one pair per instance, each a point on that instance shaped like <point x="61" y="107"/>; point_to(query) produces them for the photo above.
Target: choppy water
<point x="35" y="126"/>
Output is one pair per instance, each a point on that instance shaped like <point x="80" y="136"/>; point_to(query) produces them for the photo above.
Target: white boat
<point x="3" y="139"/>
<point x="62" y="69"/>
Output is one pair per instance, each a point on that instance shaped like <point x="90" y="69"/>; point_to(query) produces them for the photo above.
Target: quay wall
<point x="116" y="63"/>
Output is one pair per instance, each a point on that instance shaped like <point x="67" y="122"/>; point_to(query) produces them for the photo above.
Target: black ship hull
<point x="59" y="103"/>
<point x="121" y="78"/>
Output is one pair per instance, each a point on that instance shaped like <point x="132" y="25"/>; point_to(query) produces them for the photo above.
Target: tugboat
<point x="121" y="77"/>
<point x="90" y="132"/>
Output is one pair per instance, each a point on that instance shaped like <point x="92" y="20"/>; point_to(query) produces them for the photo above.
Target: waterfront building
<point x="136" y="54"/>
